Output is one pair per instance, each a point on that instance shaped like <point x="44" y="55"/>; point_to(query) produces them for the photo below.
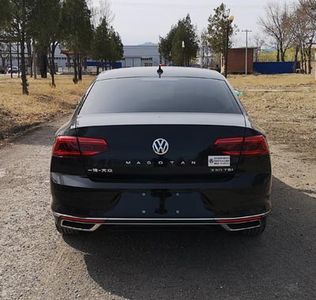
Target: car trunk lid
<point x="161" y="146"/>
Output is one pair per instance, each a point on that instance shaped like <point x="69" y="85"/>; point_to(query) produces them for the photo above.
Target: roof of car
<point x="167" y="72"/>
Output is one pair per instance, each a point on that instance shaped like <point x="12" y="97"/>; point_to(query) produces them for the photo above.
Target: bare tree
<point x="100" y="12"/>
<point x="204" y="49"/>
<point x="304" y="33"/>
<point x="18" y="30"/>
<point x="258" y="42"/>
<point x="277" y="25"/>
<point x="309" y="8"/>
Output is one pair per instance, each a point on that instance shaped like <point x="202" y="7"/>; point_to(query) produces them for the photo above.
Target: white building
<point x="144" y="55"/>
<point x="134" y="56"/>
<point x="15" y="53"/>
<point x="61" y="60"/>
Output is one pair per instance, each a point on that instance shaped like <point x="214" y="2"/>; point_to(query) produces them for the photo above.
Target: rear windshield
<point x="160" y="95"/>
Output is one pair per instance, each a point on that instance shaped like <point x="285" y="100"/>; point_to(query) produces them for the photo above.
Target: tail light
<point x="247" y="146"/>
<point x="229" y="146"/>
<point x="90" y="146"/>
<point x="255" y="145"/>
<point x="76" y="146"/>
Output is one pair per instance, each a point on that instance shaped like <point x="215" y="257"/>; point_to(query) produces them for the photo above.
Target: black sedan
<point x="166" y="146"/>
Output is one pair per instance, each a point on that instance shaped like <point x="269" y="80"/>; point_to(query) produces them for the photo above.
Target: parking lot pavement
<point x="37" y="263"/>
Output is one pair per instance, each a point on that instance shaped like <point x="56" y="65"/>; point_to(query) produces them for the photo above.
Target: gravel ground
<point x="37" y="263"/>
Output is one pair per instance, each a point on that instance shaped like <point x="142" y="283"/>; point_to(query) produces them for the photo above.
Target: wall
<point x="236" y="60"/>
<point x="274" y="67"/>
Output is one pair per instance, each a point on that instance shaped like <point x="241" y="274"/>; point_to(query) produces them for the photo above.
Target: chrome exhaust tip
<point x="242" y="223"/>
<point x="241" y="226"/>
<point x="80" y="226"/>
<point x="78" y="223"/>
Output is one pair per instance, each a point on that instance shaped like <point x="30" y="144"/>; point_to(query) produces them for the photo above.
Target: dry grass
<point x="284" y="106"/>
<point x="18" y="112"/>
<point x="286" y="81"/>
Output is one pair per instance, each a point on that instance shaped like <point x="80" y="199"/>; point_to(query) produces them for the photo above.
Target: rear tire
<point x="256" y="231"/>
<point x="66" y="231"/>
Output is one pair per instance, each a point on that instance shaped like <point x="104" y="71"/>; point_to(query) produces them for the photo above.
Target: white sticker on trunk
<point x="219" y="161"/>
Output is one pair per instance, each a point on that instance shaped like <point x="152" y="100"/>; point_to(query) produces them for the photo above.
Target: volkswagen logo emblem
<point x="160" y="146"/>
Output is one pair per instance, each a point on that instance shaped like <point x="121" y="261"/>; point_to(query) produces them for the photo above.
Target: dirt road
<point x="37" y="263"/>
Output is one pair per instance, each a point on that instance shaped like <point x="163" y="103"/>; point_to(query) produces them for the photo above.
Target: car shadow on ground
<point x="172" y="264"/>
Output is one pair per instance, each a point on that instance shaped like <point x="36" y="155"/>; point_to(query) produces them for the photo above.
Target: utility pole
<point x="183" y="51"/>
<point x="247" y="31"/>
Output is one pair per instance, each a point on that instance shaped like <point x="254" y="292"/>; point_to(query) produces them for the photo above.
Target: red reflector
<point x="73" y="146"/>
<point x="248" y="146"/>
<point x="239" y="220"/>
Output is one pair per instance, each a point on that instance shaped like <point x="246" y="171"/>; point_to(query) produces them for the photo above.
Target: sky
<point x="141" y="21"/>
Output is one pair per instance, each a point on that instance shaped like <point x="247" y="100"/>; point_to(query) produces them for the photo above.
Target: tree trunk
<point x="18" y="57"/>
<point x="29" y="56"/>
<point x="278" y="54"/>
<point x="85" y="64"/>
<point x="23" y="69"/>
<point x="34" y="61"/>
<point x="282" y="51"/>
<point x="75" y="78"/>
<point x="305" y="61"/>
<point x="3" y="61"/>
<point x="43" y="64"/>
<point x="297" y="49"/>
<point x="52" y="62"/>
<point x="79" y="67"/>
<point x="10" y="57"/>
<point x="302" y="59"/>
<point x="310" y="59"/>
<point x="283" y="55"/>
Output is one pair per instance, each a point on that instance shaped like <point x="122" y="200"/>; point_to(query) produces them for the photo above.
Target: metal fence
<point x="274" y="67"/>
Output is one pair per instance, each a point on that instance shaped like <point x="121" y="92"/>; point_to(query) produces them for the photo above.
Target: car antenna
<point x="159" y="71"/>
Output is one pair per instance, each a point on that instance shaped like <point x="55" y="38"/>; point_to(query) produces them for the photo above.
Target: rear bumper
<point x="92" y="224"/>
<point x="245" y="195"/>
